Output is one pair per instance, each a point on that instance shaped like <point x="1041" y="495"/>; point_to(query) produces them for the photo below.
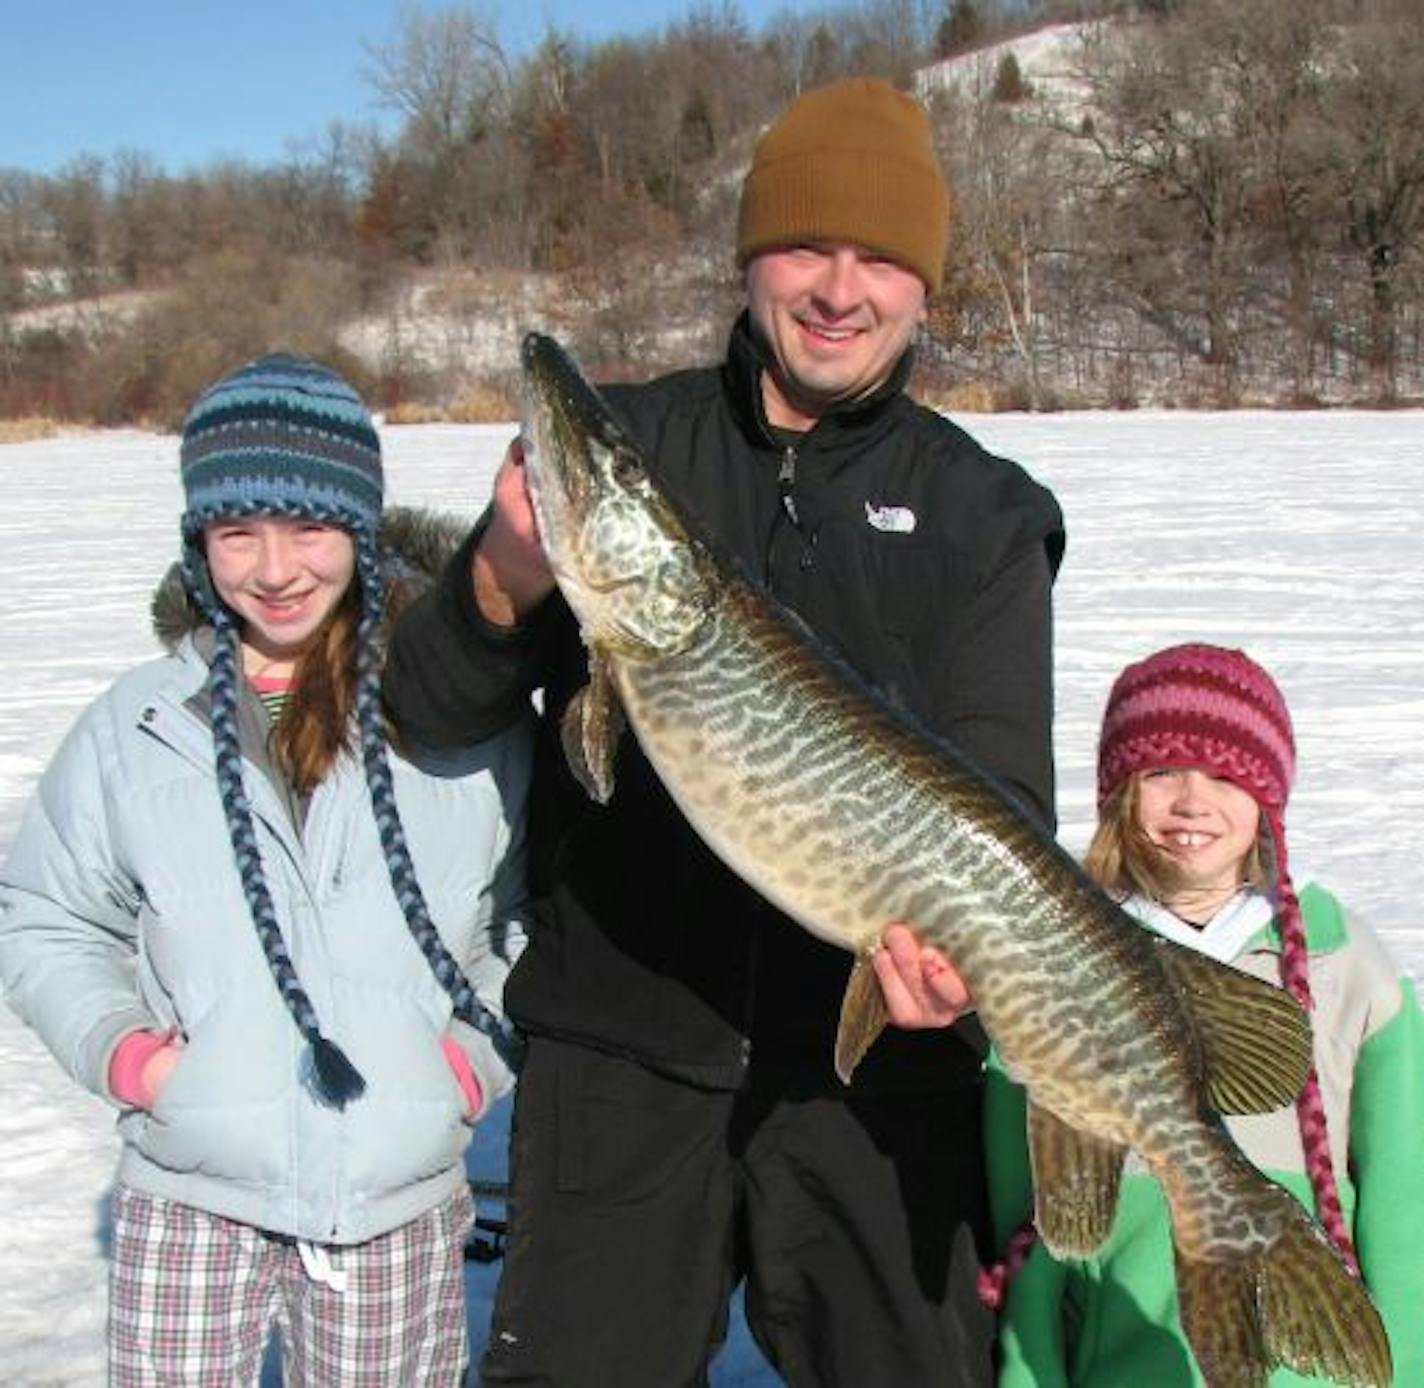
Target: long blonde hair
<point x="1124" y="861"/>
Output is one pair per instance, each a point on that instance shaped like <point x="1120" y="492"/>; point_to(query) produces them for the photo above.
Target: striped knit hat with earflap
<point x="284" y="436"/>
<point x="1215" y="709"/>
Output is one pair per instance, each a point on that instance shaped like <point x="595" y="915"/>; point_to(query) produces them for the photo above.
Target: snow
<point x="1296" y="536"/>
<point x="1048" y="58"/>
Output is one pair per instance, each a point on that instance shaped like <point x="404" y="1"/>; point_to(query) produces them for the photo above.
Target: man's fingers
<point x="922" y="988"/>
<point x="511" y="490"/>
<point x="943" y="980"/>
<point x="900" y="1000"/>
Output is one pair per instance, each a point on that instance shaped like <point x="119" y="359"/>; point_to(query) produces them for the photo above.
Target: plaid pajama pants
<point x="194" y="1297"/>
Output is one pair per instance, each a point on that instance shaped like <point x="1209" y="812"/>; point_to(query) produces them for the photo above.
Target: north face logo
<point x="894" y="520"/>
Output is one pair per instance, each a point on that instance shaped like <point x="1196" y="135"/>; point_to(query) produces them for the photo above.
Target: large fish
<point x="837" y="810"/>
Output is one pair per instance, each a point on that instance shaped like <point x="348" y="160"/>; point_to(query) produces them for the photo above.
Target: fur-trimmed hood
<point x="415" y="546"/>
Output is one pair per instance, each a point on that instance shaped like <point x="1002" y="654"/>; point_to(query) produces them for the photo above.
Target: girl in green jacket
<point x="1195" y="764"/>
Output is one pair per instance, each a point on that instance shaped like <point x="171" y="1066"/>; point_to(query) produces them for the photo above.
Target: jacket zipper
<point x="786" y="489"/>
<point x="786" y="484"/>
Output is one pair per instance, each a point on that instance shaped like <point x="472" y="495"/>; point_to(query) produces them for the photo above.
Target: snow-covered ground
<point x="1297" y="536"/>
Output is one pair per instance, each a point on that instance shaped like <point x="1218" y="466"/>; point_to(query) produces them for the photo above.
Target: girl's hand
<point x="141" y="1065"/>
<point x="154" y="1073"/>
<point x="922" y="988"/>
<point x="459" y="1064"/>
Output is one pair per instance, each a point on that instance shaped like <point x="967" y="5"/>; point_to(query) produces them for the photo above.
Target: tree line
<point x="1204" y="201"/>
<point x="1223" y="194"/>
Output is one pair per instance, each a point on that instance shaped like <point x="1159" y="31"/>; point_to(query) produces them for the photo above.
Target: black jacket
<point x="921" y="559"/>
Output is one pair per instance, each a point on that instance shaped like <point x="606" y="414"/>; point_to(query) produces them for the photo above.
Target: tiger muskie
<point x="838" y="810"/>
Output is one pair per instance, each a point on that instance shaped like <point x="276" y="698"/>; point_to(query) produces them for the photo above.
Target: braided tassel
<point x="1310" y="1109"/>
<point x="993" y="1281"/>
<point x="327" y="1072"/>
<point x="466" y="1004"/>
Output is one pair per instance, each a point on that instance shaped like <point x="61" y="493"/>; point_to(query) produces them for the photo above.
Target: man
<point x="678" y="1125"/>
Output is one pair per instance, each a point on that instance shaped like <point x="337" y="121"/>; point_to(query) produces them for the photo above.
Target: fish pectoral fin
<point x="1255" y="1038"/>
<point x="863" y="1017"/>
<point x="1075" y="1183"/>
<point x="591" y="728"/>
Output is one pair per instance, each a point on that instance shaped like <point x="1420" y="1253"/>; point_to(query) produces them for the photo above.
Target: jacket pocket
<point x="225" y="1110"/>
<point x="410" y="1123"/>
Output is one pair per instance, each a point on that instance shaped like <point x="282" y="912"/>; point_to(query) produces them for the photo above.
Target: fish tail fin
<point x="1316" y="1314"/>
<point x="1217" y="1305"/>
<point x="1295" y="1304"/>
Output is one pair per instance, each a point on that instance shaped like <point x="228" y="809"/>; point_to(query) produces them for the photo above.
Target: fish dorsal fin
<point x="590" y="730"/>
<point x="1075" y="1184"/>
<point x="863" y="1017"/>
<point x="1255" y="1038"/>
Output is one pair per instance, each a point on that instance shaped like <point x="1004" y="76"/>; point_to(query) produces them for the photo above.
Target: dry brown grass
<point x="413" y="412"/>
<point x="479" y="404"/>
<point x="968" y="397"/>
<point x="483" y="404"/>
<point x="28" y="429"/>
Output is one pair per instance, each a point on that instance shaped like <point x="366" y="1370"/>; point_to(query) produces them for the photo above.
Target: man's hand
<point x="510" y="571"/>
<point x="922" y="988"/>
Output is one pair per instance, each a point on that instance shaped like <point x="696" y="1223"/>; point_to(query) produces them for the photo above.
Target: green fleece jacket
<point x="1110" y="1321"/>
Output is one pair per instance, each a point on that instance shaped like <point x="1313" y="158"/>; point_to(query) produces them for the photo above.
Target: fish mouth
<point x="554" y="387"/>
<point x="565" y="422"/>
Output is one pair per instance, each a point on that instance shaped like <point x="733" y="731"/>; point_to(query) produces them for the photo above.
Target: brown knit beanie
<point x="851" y="162"/>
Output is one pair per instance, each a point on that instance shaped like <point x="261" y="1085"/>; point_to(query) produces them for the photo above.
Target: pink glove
<point x="459" y="1064"/>
<point x="133" y="1080"/>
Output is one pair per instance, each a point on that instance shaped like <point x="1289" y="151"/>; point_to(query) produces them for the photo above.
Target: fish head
<point x="619" y="551"/>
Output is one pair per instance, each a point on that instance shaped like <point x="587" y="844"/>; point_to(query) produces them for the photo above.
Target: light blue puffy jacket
<point x="121" y="908"/>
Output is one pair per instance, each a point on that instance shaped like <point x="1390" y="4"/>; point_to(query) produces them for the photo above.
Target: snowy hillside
<point x="1297" y="536"/>
<point x="1047" y="60"/>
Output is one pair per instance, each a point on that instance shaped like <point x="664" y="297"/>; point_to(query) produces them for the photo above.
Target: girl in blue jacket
<point x="274" y="944"/>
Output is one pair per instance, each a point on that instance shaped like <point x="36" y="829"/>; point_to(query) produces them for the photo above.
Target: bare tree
<point x="1276" y="68"/>
<point x="21" y="234"/>
<point x="1009" y="168"/>
<point x="1375" y="122"/>
<point x="447" y="74"/>
<point x="1166" y="126"/>
<point x="73" y="201"/>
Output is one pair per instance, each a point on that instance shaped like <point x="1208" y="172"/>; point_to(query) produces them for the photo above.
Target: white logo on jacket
<point x="894" y="520"/>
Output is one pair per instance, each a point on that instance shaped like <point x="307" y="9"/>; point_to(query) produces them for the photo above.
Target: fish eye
<point x="627" y="469"/>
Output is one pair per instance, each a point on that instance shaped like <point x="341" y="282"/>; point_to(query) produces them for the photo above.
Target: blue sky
<point x="190" y="81"/>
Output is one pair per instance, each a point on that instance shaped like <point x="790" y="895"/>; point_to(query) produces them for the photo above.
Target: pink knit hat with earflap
<point x="1200" y="706"/>
<point x="1217" y="710"/>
